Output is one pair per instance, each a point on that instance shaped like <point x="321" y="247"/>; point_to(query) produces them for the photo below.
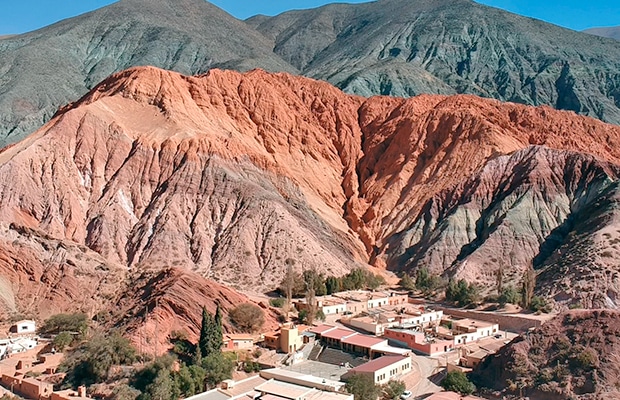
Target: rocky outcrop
<point x="517" y="210"/>
<point x="404" y="48"/>
<point x="228" y="175"/>
<point x="172" y="300"/>
<point x="575" y="355"/>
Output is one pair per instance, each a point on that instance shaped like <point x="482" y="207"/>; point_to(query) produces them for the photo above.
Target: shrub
<point x="91" y="362"/>
<point x="362" y="387"/>
<point x="392" y="390"/>
<point x="247" y="317"/>
<point x="539" y="304"/>
<point x="407" y="282"/>
<point x="278" y="303"/>
<point x="77" y="323"/>
<point x="457" y="381"/>
<point x="509" y="295"/>
<point x="462" y="293"/>
<point x="62" y="340"/>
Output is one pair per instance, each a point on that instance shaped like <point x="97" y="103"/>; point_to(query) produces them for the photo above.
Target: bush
<point x="362" y="387"/>
<point x="407" y="282"/>
<point x="251" y="366"/>
<point x="457" y="381"/>
<point x="278" y="303"/>
<point x="62" y="340"/>
<point x="91" y="362"/>
<point x="392" y="390"/>
<point x="247" y="317"/>
<point x="509" y="295"/>
<point x="539" y="304"/>
<point x="462" y="293"/>
<point x="74" y="323"/>
<point x="427" y="282"/>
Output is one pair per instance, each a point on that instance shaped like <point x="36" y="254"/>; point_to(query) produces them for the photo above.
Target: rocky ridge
<point x="612" y="32"/>
<point x="228" y="175"/>
<point x="404" y="48"/>
<point x="48" y="68"/>
<point x="573" y="356"/>
<point x="393" y="47"/>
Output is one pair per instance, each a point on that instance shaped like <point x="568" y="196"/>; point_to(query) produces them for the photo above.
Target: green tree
<point x="426" y="281"/>
<point x="407" y="282"/>
<point x="247" y="317"/>
<point x="462" y="293"/>
<point x="354" y="280"/>
<point x="125" y="392"/>
<point x="217" y="340"/>
<point x="392" y="390"/>
<point x="539" y="304"/>
<point x="74" y="323"/>
<point x="91" y="362"/>
<point x="147" y="375"/>
<point x="303" y="316"/>
<point x="217" y="367"/>
<point x="509" y="295"/>
<point x="362" y="387"/>
<point x="163" y="387"/>
<point x="528" y="285"/>
<point x="457" y="381"/>
<point x="62" y="340"/>
<point x="333" y="285"/>
<point x="374" y="281"/>
<point x="185" y="381"/>
<point x="207" y="330"/>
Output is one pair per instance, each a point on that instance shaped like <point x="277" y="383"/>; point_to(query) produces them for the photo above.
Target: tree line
<point x="465" y="294"/>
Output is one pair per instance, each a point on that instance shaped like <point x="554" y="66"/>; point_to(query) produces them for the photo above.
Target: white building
<point x="383" y="369"/>
<point x="470" y="330"/>
<point x="25" y="327"/>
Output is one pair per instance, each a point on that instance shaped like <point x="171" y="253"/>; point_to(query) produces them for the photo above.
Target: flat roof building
<point x="382" y="369"/>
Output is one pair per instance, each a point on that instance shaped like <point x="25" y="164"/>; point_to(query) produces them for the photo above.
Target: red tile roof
<point x="378" y="364"/>
<point x="321" y="328"/>
<point x="338" y="333"/>
<point x="363" y="340"/>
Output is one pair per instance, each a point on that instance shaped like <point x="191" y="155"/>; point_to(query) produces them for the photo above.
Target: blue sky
<point x="25" y="15"/>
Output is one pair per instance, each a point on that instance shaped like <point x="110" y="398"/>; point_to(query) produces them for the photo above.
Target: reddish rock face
<point x="228" y="175"/>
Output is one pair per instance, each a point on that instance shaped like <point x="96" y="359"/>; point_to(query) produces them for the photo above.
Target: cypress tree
<point x="217" y="340"/>
<point x="206" y="333"/>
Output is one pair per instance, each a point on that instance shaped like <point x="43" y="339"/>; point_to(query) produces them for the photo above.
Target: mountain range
<point x="388" y="47"/>
<point x="229" y="175"/>
<point x="612" y="32"/>
<point x="129" y="190"/>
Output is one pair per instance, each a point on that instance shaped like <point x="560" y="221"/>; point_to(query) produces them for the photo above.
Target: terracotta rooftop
<point x="338" y="333"/>
<point x="363" y="340"/>
<point x="321" y="329"/>
<point x="378" y="364"/>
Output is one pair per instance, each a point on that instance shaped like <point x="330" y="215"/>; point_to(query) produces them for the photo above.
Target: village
<point x="384" y="335"/>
